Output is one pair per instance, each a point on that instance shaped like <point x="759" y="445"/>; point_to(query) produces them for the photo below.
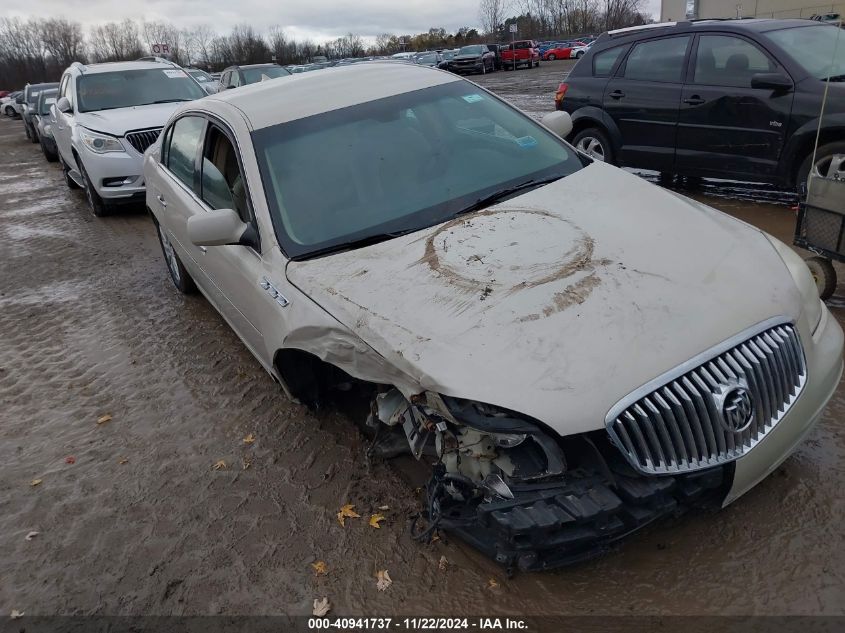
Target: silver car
<point x="577" y="351"/>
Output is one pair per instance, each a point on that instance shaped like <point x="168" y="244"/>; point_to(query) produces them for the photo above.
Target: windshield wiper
<point x="165" y="101"/>
<point x="836" y="78"/>
<point x="353" y="244"/>
<point x="496" y="196"/>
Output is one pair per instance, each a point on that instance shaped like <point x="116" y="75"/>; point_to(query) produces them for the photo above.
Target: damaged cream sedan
<point x="576" y="352"/>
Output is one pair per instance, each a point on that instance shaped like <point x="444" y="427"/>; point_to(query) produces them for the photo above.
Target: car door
<point x="172" y="195"/>
<point x="726" y="128"/>
<point x="62" y="121"/>
<point x="237" y="270"/>
<point x="643" y="99"/>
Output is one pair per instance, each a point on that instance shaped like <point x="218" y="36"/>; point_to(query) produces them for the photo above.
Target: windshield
<point x="254" y="75"/>
<point x="200" y="75"/>
<point x="398" y="164"/>
<point x="47" y="99"/>
<point x="471" y="50"/>
<point x="127" y="88"/>
<point x="449" y="54"/>
<point x="427" y="59"/>
<point x="815" y="48"/>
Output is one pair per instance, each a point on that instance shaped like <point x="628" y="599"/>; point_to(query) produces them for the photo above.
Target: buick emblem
<point x="737" y="409"/>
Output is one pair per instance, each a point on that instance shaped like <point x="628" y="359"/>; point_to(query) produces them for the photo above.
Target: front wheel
<point x="178" y="274"/>
<point x="97" y="205"/>
<point x="824" y="274"/>
<point x="579" y="55"/>
<point x="830" y="163"/>
<point x="552" y="57"/>
<point x="70" y="182"/>
<point x="48" y="154"/>
<point x="594" y="143"/>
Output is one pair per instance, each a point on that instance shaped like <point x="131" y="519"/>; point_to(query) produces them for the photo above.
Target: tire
<point x="579" y="55"/>
<point x="97" y="205"/>
<point x="35" y="138"/>
<point x="27" y="132"/>
<point x="9" y="111"/>
<point x="824" y="275"/>
<point x="595" y="143"/>
<point x="830" y="162"/>
<point x="552" y="57"/>
<point x="70" y="182"/>
<point x="178" y="275"/>
<point x="483" y="68"/>
<point x="49" y="155"/>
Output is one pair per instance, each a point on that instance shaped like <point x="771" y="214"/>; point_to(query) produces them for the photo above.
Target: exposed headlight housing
<point x="811" y="302"/>
<point x="100" y="143"/>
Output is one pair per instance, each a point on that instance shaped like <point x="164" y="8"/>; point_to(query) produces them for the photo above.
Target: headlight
<point x="100" y="143"/>
<point x="811" y="303"/>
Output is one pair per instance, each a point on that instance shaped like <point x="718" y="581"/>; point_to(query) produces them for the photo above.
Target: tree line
<point x="37" y="50"/>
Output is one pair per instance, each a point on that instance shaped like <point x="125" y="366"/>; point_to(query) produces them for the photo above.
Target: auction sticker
<point x="474" y="98"/>
<point x="174" y="74"/>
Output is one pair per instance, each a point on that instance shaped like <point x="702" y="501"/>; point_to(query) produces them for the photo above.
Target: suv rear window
<point x="658" y="60"/>
<point x="603" y="62"/>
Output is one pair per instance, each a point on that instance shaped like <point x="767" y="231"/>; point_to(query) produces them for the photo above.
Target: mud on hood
<point x="559" y="302"/>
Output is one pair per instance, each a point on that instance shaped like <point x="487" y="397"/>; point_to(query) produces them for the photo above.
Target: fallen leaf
<point x="383" y="581"/>
<point x="320" y="568"/>
<point x="104" y="418"/>
<point x="375" y="519"/>
<point x="219" y="465"/>
<point x="122" y="460"/>
<point x="443" y="564"/>
<point x="246" y="463"/>
<point x="249" y="439"/>
<point x="35" y="482"/>
<point x="384" y="507"/>
<point x="31" y="535"/>
<point x="435" y="537"/>
<point x="347" y="511"/>
<point x="492" y="584"/>
<point x="321" y="607"/>
<point x="16" y="614"/>
<point x="70" y="459"/>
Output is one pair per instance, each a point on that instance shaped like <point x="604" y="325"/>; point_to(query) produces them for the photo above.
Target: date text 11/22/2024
<point x="418" y="624"/>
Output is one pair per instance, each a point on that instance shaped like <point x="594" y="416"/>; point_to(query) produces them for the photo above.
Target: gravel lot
<point x="141" y="523"/>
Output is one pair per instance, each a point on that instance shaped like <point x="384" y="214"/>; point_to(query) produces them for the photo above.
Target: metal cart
<point x="821" y="229"/>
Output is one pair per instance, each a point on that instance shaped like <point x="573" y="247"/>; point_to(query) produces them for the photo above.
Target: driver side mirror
<point x="558" y="122"/>
<point x="771" y="81"/>
<point x="63" y="105"/>
<point x="218" y="228"/>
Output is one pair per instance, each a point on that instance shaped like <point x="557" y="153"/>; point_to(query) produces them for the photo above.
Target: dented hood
<point x="559" y="302"/>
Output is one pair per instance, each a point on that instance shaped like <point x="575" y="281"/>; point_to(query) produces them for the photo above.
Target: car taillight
<point x="561" y="91"/>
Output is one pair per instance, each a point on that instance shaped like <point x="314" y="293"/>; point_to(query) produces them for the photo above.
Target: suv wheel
<point x="49" y="155"/>
<point x="180" y="277"/>
<point x="830" y="163"/>
<point x="579" y="54"/>
<point x="824" y="275"/>
<point x="552" y="57"/>
<point x="95" y="202"/>
<point x="594" y="143"/>
<point x="70" y="182"/>
<point x="27" y="132"/>
<point x="9" y="111"/>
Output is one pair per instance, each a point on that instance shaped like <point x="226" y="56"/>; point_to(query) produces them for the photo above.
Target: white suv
<point x="106" y="116"/>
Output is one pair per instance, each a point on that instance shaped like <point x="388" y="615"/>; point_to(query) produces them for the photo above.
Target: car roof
<point x="109" y="67"/>
<point x="760" y="25"/>
<point x="302" y="95"/>
<point x="242" y="66"/>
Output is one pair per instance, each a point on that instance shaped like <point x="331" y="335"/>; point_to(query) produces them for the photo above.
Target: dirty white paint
<point x="559" y="302"/>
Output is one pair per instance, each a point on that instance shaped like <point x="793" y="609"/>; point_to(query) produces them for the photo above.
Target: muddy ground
<point x="141" y="523"/>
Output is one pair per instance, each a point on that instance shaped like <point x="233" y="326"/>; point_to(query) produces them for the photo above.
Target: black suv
<point x="235" y="76"/>
<point x="736" y="99"/>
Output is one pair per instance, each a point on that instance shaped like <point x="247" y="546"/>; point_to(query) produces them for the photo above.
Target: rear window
<point x="603" y="62"/>
<point x="127" y="88"/>
<point x="658" y="60"/>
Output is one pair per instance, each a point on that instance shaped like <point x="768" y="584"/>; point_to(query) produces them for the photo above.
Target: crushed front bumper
<point x="553" y="524"/>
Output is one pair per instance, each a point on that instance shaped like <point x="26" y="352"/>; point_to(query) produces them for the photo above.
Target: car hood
<point x="467" y="58"/>
<point x="559" y="302"/>
<point x="121" y="120"/>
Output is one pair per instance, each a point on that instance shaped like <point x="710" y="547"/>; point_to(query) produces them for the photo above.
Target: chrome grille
<point x="677" y="423"/>
<point x="142" y="139"/>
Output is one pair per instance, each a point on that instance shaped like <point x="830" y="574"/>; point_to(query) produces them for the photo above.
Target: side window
<point x="224" y="79"/>
<point x="603" y="62"/>
<point x="63" y="87"/>
<point x="723" y="60"/>
<point x="658" y="60"/>
<point x="235" y="78"/>
<point x="184" y="138"/>
<point x="223" y="185"/>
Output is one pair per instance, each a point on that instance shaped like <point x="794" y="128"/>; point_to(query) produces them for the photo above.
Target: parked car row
<point x="735" y="99"/>
<point x="303" y="207"/>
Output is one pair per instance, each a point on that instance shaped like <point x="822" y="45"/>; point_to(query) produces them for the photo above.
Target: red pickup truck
<point x="521" y="52"/>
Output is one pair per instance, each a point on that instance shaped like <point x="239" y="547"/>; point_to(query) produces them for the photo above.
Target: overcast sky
<point x="316" y="20"/>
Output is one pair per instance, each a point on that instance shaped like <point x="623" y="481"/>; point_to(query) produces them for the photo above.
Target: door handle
<point x="616" y="94"/>
<point x="161" y="199"/>
<point x="694" y="100"/>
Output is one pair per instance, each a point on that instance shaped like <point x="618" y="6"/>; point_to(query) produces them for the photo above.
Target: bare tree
<point x="63" y="40"/>
<point x="491" y="13"/>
